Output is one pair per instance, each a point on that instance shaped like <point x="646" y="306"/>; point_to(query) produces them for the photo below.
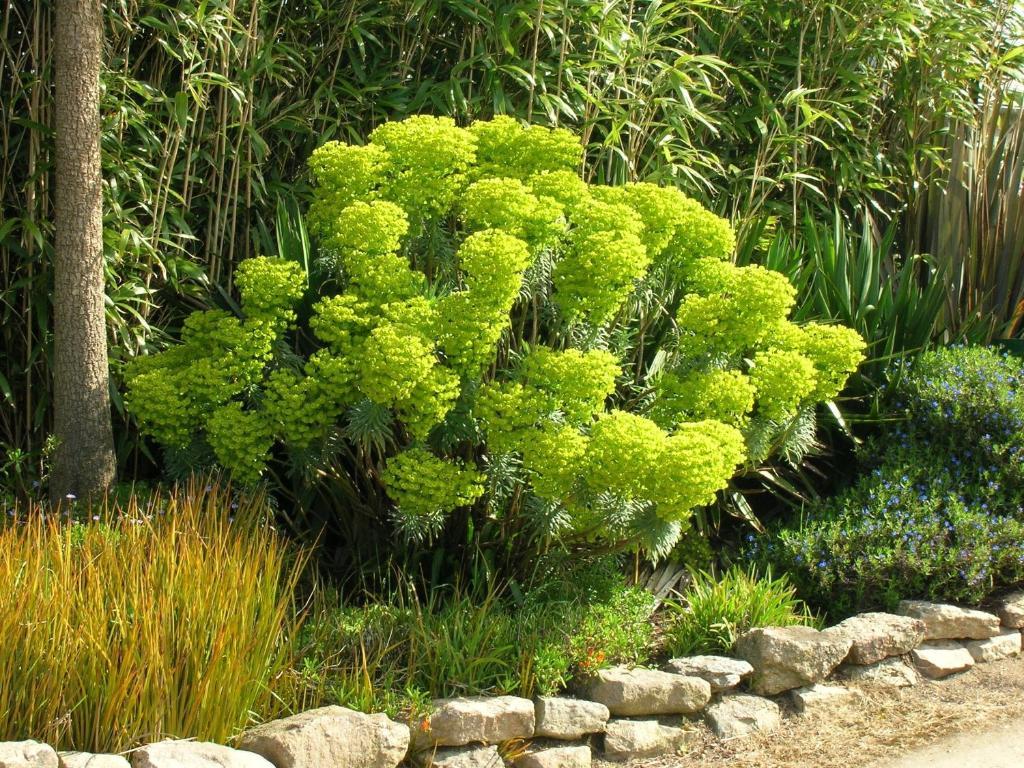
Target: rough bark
<point x="84" y="459"/>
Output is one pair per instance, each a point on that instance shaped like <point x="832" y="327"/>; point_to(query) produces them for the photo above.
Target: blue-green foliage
<point x="938" y="512"/>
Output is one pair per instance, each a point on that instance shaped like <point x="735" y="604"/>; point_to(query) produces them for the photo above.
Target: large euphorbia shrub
<point x="494" y="334"/>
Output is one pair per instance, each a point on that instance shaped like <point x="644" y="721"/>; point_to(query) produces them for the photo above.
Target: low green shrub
<point x="937" y="510"/>
<point x="395" y="656"/>
<point x="135" y="621"/>
<point x="581" y="636"/>
<point x="963" y="398"/>
<point x="715" y="611"/>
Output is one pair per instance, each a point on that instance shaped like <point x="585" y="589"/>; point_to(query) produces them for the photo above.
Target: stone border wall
<point x="628" y="713"/>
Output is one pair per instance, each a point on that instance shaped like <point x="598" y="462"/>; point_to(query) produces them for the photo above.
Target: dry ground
<point x="1001" y="747"/>
<point x="886" y="726"/>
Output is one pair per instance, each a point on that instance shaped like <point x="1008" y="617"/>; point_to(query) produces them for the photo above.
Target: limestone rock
<point x="556" y="757"/>
<point x="459" y="757"/>
<point x="950" y="622"/>
<point x="1011" y="610"/>
<point x="631" y="739"/>
<point x="820" y="698"/>
<point x="893" y="672"/>
<point x="329" y="736"/>
<point x="649" y="692"/>
<point x="790" y="657"/>
<point x="89" y="760"/>
<point x="736" y="715"/>
<point x="721" y="672"/>
<point x="942" y="658"/>
<point x="558" y="717"/>
<point x="877" y="636"/>
<point x="484" y="719"/>
<point x="1007" y="643"/>
<point x="195" y="754"/>
<point x="27" y="754"/>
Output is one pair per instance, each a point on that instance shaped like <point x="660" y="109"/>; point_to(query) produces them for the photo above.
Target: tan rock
<point x="27" y="754"/>
<point x="648" y="692"/>
<point x="790" y="657"/>
<point x="721" y="672"/>
<point x="1007" y="643"/>
<point x="329" y="736"/>
<point x="950" y="622"/>
<point x="736" y="715"/>
<point x="1011" y="610"/>
<point x="820" y="699"/>
<point x="556" y="757"/>
<point x="559" y="717"/>
<point x="459" y="757"/>
<point x="483" y="719"/>
<point x="877" y="636"/>
<point x="941" y="658"/>
<point x="195" y="754"/>
<point x="893" y="672"/>
<point x="89" y="760"/>
<point x="632" y="739"/>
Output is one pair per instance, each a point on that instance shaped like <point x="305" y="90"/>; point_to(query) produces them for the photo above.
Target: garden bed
<point x="633" y="713"/>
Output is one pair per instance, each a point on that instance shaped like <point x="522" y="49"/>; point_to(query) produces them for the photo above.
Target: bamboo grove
<point x="765" y="112"/>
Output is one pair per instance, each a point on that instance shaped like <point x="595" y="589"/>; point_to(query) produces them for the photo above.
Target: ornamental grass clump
<point x="395" y="654"/>
<point x="131" y="622"/>
<point x="715" y="610"/>
<point x="937" y="510"/>
<point x="497" y="348"/>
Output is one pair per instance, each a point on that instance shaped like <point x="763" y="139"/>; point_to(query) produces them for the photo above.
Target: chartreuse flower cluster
<point x="199" y="387"/>
<point x="426" y="487"/>
<point x="738" y="355"/>
<point x="462" y="263"/>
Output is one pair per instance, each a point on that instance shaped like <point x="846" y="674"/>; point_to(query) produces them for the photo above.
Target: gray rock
<point x="563" y="718"/>
<point x="1007" y="643"/>
<point x="89" y="760"/>
<point x="632" y="739"/>
<point x="941" y="658"/>
<point x="790" y="657"/>
<point x="950" y="622"/>
<point x="459" y="757"/>
<point x="1011" y="610"/>
<point x="484" y="719"/>
<point x="893" y="672"/>
<point x="736" y="715"/>
<point x="195" y="754"/>
<point x="648" y="692"/>
<point x="721" y="672"/>
<point x="820" y="698"/>
<point x="329" y="736"/>
<point x="877" y="636"/>
<point x="556" y="757"/>
<point x="27" y="754"/>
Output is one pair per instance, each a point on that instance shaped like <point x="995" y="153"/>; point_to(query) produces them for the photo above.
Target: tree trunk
<point x="84" y="460"/>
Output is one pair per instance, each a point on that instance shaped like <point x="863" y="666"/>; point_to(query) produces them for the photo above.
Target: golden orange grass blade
<point x="162" y="618"/>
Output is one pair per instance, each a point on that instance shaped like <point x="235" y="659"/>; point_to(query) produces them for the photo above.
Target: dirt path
<point x="995" y="748"/>
<point x="973" y="720"/>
